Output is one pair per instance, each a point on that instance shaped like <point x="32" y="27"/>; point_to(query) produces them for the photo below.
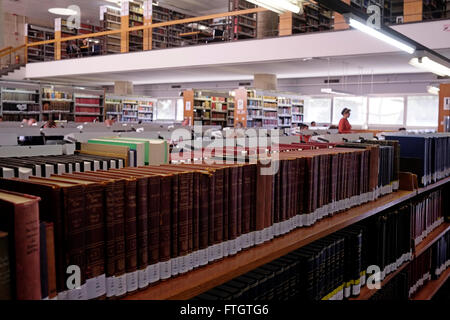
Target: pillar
<point x="267" y="24"/>
<point x="444" y="106"/>
<point x="148" y="20"/>
<point x="285" y="26"/>
<point x="240" y="107"/>
<point x="412" y="10"/>
<point x="339" y="21"/>
<point x="58" y="39"/>
<point x="266" y="81"/>
<point x="123" y="88"/>
<point x="124" y="24"/>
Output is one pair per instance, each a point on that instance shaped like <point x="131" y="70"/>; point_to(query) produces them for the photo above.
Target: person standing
<point x="344" y="124"/>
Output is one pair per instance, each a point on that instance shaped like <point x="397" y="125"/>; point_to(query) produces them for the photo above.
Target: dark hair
<point x="402" y="129"/>
<point x="345" y="111"/>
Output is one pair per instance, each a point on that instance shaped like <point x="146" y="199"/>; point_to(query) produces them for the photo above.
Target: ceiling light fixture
<point x="381" y="36"/>
<point x="337" y="92"/>
<point x="278" y="6"/>
<point x="62" y="11"/>
<point x="429" y="65"/>
<point x="433" y="90"/>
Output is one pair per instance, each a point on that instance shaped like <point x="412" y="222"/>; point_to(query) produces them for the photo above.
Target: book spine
<point x="95" y="241"/>
<point x="175" y="241"/>
<point x="5" y="268"/>
<point x="131" y="254"/>
<point x="165" y="228"/>
<point x="118" y="285"/>
<point x="51" y="264"/>
<point x="183" y="216"/>
<point x="239" y="205"/>
<point x="142" y="231"/>
<point x="205" y="203"/>
<point x="226" y="210"/>
<point x="196" y="208"/>
<point x="27" y="251"/>
<point x="154" y="206"/>
<point x="43" y="260"/>
<point x="110" y="245"/>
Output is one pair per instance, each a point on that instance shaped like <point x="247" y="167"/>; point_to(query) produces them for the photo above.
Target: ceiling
<point x="389" y="63"/>
<point x="37" y="10"/>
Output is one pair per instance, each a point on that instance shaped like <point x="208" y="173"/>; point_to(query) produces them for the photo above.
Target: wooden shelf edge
<point x="419" y="249"/>
<point x="433" y="186"/>
<point x="205" y="278"/>
<point x="431" y="238"/>
<point x="429" y="290"/>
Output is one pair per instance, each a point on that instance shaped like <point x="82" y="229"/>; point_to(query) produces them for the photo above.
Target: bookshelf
<point x="198" y="281"/>
<point x="209" y="107"/>
<point x="314" y="18"/>
<point x="130" y="109"/>
<point x="203" y="279"/>
<point x="110" y="20"/>
<point x="17" y="104"/>
<point x="88" y="108"/>
<point x="45" y="52"/>
<point x="245" y="26"/>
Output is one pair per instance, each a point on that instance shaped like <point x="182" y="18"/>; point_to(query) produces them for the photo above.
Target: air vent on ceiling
<point x="331" y="81"/>
<point x="176" y="87"/>
<point x="243" y="84"/>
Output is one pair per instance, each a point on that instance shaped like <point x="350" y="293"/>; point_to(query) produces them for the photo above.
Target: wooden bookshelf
<point x="200" y="280"/>
<point x="432" y="287"/>
<point x="434" y="236"/>
<point x="434" y="185"/>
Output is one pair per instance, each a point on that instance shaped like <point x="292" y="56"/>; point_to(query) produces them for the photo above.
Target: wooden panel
<point x="148" y="35"/>
<point x="240" y="107"/>
<point x="339" y="21"/>
<point x="285" y="26"/>
<point x="58" y="45"/>
<point x="203" y="279"/>
<point x="124" y="34"/>
<point x="412" y="10"/>
<point x="25" y="56"/>
<point x="188" y="96"/>
<point x="444" y="92"/>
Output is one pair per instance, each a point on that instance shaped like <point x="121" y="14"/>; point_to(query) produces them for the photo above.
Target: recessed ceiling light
<point x="62" y="11"/>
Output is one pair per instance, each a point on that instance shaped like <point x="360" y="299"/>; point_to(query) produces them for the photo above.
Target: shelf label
<point x="446" y="103"/>
<point x="188" y="106"/>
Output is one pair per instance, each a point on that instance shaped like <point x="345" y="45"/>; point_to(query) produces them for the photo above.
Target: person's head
<point x="402" y="129"/>
<point x="31" y="121"/>
<point x="1" y="118"/>
<point x="85" y="41"/>
<point x="303" y="126"/>
<point x="239" y="125"/>
<point x="346" y="113"/>
<point x="313" y="123"/>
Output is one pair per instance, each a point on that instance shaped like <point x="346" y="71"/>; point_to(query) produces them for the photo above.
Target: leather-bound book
<point x="50" y="209"/>
<point x="239" y="169"/>
<point x="131" y="251"/>
<point x="5" y="268"/>
<point x="19" y="217"/>
<point x="95" y="234"/>
<point x="246" y="199"/>
<point x="51" y="263"/>
<point x="43" y="260"/>
<point x="261" y="185"/>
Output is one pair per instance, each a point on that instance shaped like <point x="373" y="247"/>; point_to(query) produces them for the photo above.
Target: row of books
<point x="26" y="167"/>
<point x="426" y="155"/>
<point x="427" y="215"/>
<point x="338" y="266"/>
<point x="128" y="228"/>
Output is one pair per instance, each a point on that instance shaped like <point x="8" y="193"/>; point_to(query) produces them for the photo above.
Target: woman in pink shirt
<point x="344" y="125"/>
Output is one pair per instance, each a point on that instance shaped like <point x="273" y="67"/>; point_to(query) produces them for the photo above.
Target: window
<point x="423" y="111"/>
<point x="166" y="109"/>
<point x="318" y="110"/>
<point x="386" y="111"/>
<point x="358" y="106"/>
<point x="180" y="109"/>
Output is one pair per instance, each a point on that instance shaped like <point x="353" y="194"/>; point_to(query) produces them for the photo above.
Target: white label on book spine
<point x="252" y="238"/>
<point x="347" y="291"/>
<point x="110" y="287"/>
<point x="226" y="250"/>
<point x="340" y="295"/>
<point x="165" y="269"/>
<point x="203" y="257"/>
<point x="96" y="287"/>
<point x="190" y="261"/>
<point x="232" y="247"/>
<point x="356" y="289"/>
<point x="156" y="276"/>
<point x="143" y="278"/>
<point x="63" y="295"/>
<point x="219" y="251"/>
<point x="132" y="281"/>
<point x="211" y="253"/>
<point x="258" y="237"/>
<point x="121" y="285"/>
<point x="183" y="264"/>
<point x="78" y="294"/>
<point x="175" y="267"/>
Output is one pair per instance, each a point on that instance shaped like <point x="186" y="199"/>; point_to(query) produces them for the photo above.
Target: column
<point x="124" y="24"/>
<point x="266" y="81"/>
<point x="267" y="24"/>
<point x="285" y="26"/>
<point x="240" y="107"/>
<point x="58" y="39"/>
<point x="148" y="20"/>
<point x="123" y="88"/>
<point x="412" y="10"/>
<point x="444" y="106"/>
<point x="188" y="97"/>
<point x="339" y="21"/>
<point x="25" y="38"/>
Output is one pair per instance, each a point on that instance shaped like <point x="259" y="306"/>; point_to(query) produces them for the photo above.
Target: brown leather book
<point x="75" y="231"/>
<point x="247" y="198"/>
<point x="19" y="217"/>
<point x="51" y="263"/>
<point x="130" y="226"/>
<point x="50" y="208"/>
<point x="114" y="233"/>
<point x="5" y="268"/>
<point x="95" y="234"/>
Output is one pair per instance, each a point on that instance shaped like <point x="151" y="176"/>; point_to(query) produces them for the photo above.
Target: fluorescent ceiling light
<point x="433" y="90"/>
<point x="429" y="65"/>
<point x="381" y="36"/>
<point x="62" y="11"/>
<point x="278" y="6"/>
<point x="332" y="91"/>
